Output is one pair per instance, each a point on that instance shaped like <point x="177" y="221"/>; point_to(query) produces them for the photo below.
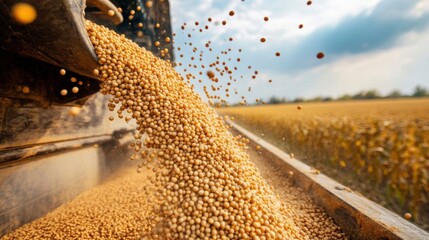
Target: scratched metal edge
<point x="372" y="217"/>
<point x="13" y="154"/>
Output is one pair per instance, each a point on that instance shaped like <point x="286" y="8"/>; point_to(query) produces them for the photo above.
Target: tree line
<point x="419" y="91"/>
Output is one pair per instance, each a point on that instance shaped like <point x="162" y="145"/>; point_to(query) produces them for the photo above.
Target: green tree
<point x="298" y="100"/>
<point x="371" y="94"/>
<point x="327" y="99"/>
<point x="274" y="100"/>
<point x="345" y="97"/>
<point x="395" y="94"/>
<point x="420" y="91"/>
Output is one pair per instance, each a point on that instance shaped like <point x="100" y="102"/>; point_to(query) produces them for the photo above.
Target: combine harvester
<point x="54" y="146"/>
<point x="56" y="141"/>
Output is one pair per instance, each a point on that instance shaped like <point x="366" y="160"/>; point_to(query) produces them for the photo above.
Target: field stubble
<point x="380" y="148"/>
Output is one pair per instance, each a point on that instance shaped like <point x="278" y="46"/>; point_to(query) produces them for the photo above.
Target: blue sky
<point x="371" y="44"/>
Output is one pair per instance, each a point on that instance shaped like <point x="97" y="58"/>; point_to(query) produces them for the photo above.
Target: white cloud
<point x="401" y="67"/>
<point x="285" y="16"/>
<point x="419" y="9"/>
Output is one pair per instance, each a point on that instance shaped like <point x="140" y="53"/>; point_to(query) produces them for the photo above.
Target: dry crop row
<point x="383" y="143"/>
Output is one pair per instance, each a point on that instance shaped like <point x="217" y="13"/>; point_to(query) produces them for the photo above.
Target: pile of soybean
<point x="117" y="208"/>
<point x="202" y="184"/>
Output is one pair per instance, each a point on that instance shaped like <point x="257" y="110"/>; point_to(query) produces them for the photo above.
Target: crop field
<point x="379" y="148"/>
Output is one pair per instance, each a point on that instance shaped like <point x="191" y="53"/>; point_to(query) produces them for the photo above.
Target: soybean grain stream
<point x="378" y="147"/>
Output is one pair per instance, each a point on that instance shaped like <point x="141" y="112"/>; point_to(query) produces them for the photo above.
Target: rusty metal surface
<point x="28" y="120"/>
<point x="359" y="217"/>
<point x="43" y="81"/>
<point x="105" y="6"/>
<point x="58" y="35"/>
<point x="147" y="35"/>
<point x="162" y="16"/>
<point x="22" y="127"/>
<point x="8" y="156"/>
